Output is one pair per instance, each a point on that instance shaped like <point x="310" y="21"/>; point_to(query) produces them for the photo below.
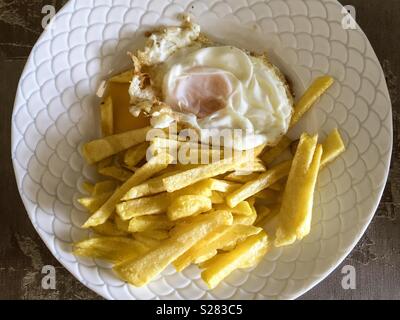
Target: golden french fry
<point x="201" y="188"/>
<point x="154" y="165"/>
<point x="296" y="209"/>
<point x="217" y="198"/>
<point x="109" y="229"/>
<point x="196" y="154"/>
<point x="223" y="237"/>
<point x="107" y="117"/>
<point x="189" y="256"/>
<point x="115" y="172"/>
<point x="100" y="149"/>
<point x="262" y="182"/>
<point x="188" y="177"/>
<point x="188" y="205"/>
<point x="91" y="204"/>
<point x="122" y="225"/>
<point x="146" y="223"/>
<point x="147" y="241"/>
<point x="140" y="271"/>
<point x="223" y="185"/>
<point x="124" y="77"/>
<point x="104" y="187"/>
<point x="245" y="220"/>
<point x="241" y="176"/>
<point x="107" y="162"/>
<point x="148" y="188"/>
<point x="271" y="154"/>
<point x="252" y="166"/>
<point x="115" y="249"/>
<point x="143" y="206"/>
<point x="243" y="208"/>
<point x="156" y="234"/>
<point x="317" y="88"/>
<point x="222" y="265"/>
<point x="332" y="147"/>
<point x="135" y="154"/>
<point x="88" y="187"/>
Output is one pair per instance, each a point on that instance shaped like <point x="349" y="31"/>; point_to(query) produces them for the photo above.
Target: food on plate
<point x="196" y="155"/>
<point x="245" y="255"/>
<point x="297" y="202"/>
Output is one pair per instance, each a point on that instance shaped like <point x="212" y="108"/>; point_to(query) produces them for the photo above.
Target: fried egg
<point x="218" y="88"/>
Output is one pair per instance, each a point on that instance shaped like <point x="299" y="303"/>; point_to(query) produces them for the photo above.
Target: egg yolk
<point x="200" y="91"/>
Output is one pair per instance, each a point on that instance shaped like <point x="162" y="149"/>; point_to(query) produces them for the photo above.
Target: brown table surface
<point x="22" y="253"/>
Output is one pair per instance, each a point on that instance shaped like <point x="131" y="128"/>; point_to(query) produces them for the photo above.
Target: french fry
<point x="107" y="117"/>
<point x="156" y="234"/>
<point x="146" y="223"/>
<point x="252" y="166"/>
<point x="91" y="204"/>
<point x="222" y="265"/>
<point x="115" y="172"/>
<point x="100" y="149"/>
<point x="217" y="198"/>
<point x="104" y="187"/>
<point x="262" y="182"/>
<point x="188" y="177"/>
<point x="109" y="229"/>
<point x="154" y="165"/>
<point x="147" y="241"/>
<point x="143" y="206"/>
<point x="135" y="154"/>
<point x="245" y="220"/>
<point x="223" y="185"/>
<point x="236" y="234"/>
<point x="271" y="154"/>
<point x="241" y="176"/>
<point x="142" y="270"/>
<point x="201" y="188"/>
<point x="332" y="147"/>
<point x="107" y="162"/>
<point x="198" y="154"/>
<point x="243" y="208"/>
<point x="317" y="88"/>
<point x="115" y="249"/>
<point x="226" y="236"/>
<point x="296" y="209"/>
<point x="122" y="225"/>
<point x="188" y="205"/>
<point x="88" y="187"/>
<point x="124" y="77"/>
<point x="148" y="188"/>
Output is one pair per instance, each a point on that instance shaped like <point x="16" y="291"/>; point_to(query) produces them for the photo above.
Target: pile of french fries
<point x="149" y="214"/>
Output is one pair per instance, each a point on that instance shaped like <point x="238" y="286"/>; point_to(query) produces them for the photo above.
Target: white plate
<point x="55" y="112"/>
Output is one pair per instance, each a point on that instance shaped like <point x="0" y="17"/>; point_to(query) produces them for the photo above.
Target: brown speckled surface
<point x="22" y="254"/>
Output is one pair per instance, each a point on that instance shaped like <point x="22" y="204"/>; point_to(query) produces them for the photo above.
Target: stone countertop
<point x="376" y="258"/>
